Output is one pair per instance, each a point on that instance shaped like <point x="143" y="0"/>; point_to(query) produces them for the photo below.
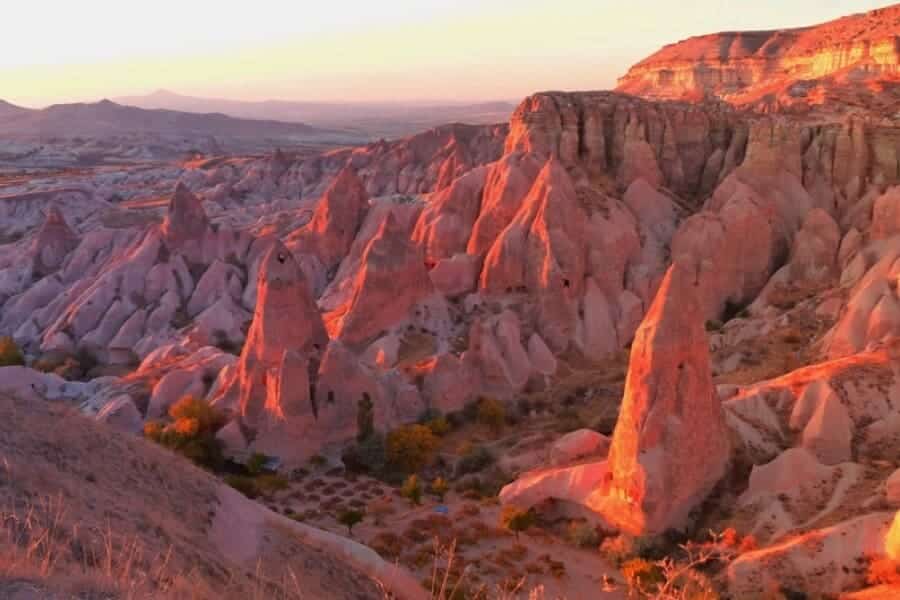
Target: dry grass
<point x="89" y="512"/>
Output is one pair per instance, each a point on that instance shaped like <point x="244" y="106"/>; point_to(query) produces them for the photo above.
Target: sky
<point x="356" y="50"/>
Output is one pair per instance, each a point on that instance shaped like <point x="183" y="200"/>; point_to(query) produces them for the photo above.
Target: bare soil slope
<point x="88" y="512"/>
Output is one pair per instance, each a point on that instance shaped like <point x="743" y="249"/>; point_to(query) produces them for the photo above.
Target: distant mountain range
<point x="106" y="118"/>
<point x="375" y="119"/>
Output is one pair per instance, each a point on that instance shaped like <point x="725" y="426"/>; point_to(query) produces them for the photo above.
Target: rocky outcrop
<point x="327" y="239"/>
<point x="620" y="139"/>
<point x="781" y="69"/>
<point x="52" y="243"/>
<point x="391" y="281"/>
<point x="542" y="251"/>
<point x="417" y="164"/>
<point x="287" y="333"/>
<point x="670" y="445"/>
<point x="823" y="559"/>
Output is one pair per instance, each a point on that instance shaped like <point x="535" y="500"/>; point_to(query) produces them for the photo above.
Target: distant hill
<point x="376" y="119"/>
<point x="106" y="118"/>
<point x="7" y="109"/>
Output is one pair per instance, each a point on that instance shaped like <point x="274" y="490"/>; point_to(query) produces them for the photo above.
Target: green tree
<point x="349" y="518"/>
<point x="209" y="420"/>
<point x="439" y="488"/>
<point x="492" y="413"/>
<point x="515" y="519"/>
<point x="411" y="447"/>
<point x="365" y="418"/>
<point x="256" y="463"/>
<point x="412" y="490"/>
<point x="10" y="355"/>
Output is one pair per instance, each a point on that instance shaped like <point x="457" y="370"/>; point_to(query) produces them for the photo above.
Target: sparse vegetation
<point x="516" y="519"/>
<point x="641" y="574"/>
<point x="191" y="432"/>
<point x="439" y="488"/>
<point x="474" y="460"/>
<point x="583" y="535"/>
<point x="411" y="447"/>
<point x="349" y="518"/>
<point x="883" y="571"/>
<point x="412" y="490"/>
<point x="492" y="413"/>
<point x="10" y="354"/>
<point x="261" y="485"/>
<point x="366" y="456"/>
<point x="256" y="463"/>
<point x="365" y="418"/>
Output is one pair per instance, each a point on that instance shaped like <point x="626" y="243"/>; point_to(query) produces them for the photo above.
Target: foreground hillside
<point x="89" y="512"/>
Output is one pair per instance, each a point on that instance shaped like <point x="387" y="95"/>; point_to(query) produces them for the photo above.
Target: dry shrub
<point x="883" y="571"/>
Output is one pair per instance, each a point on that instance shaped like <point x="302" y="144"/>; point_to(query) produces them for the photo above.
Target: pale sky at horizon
<point x="355" y="50"/>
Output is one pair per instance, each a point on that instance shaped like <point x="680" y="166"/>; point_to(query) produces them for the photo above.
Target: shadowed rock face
<point x="670" y="446"/>
<point x="186" y="219"/>
<point x="53" y="242"/>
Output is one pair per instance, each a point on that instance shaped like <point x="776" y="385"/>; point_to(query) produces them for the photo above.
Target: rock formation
<point x="670" y="446"/>
<point x="329" y="235"/>
<point x="52" y="243"/>
<point x="287" y="333"/>
<point x="392" y="279"/>
<point x="847" y="62"/>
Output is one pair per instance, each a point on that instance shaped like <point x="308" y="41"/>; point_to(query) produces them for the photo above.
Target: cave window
<point x="281" y="257"/>
<point x="330" y="396"/>
<point x="566" y="283"/>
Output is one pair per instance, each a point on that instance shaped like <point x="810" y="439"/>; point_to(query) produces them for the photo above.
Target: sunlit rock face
<point x="617" y="139"/>
<point x="286" y="333"/>
<point x="391" y="281"/>
<point x="670" y="446"/>
<point x="782" y="69"/>
<point x="327" y="238"/>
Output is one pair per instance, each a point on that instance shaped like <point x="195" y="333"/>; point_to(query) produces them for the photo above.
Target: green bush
<point x="349" y="518"/>
<point x="256" y="463"/>
<point x="366" y="456"/>
<point x="439" y="426"/>
<point x="474" y="460"/>
<point x="10" y="355"/>
<point x="492" y="413"/>
<point x="583" y="535"/>
<point x="243" y="484"/>
<point x="714" y="325"/>
<point x="412" y="490"/>
<point x="641" y="575"/>
<point x="365" y="418"/>
<point x="516" y="519"/>
<point x="192" y="432"/>
<point x="254" y="487"/>
<point x="411" y="447"/>
<point x="208" y="418"/>
<point x="439" y="488"/>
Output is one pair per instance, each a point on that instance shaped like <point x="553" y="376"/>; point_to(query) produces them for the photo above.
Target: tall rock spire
<point x="186" y="218"/>
<point x="670" y="446"/>
<point x="53" y="242"/>
<point x="287" y="330"/>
